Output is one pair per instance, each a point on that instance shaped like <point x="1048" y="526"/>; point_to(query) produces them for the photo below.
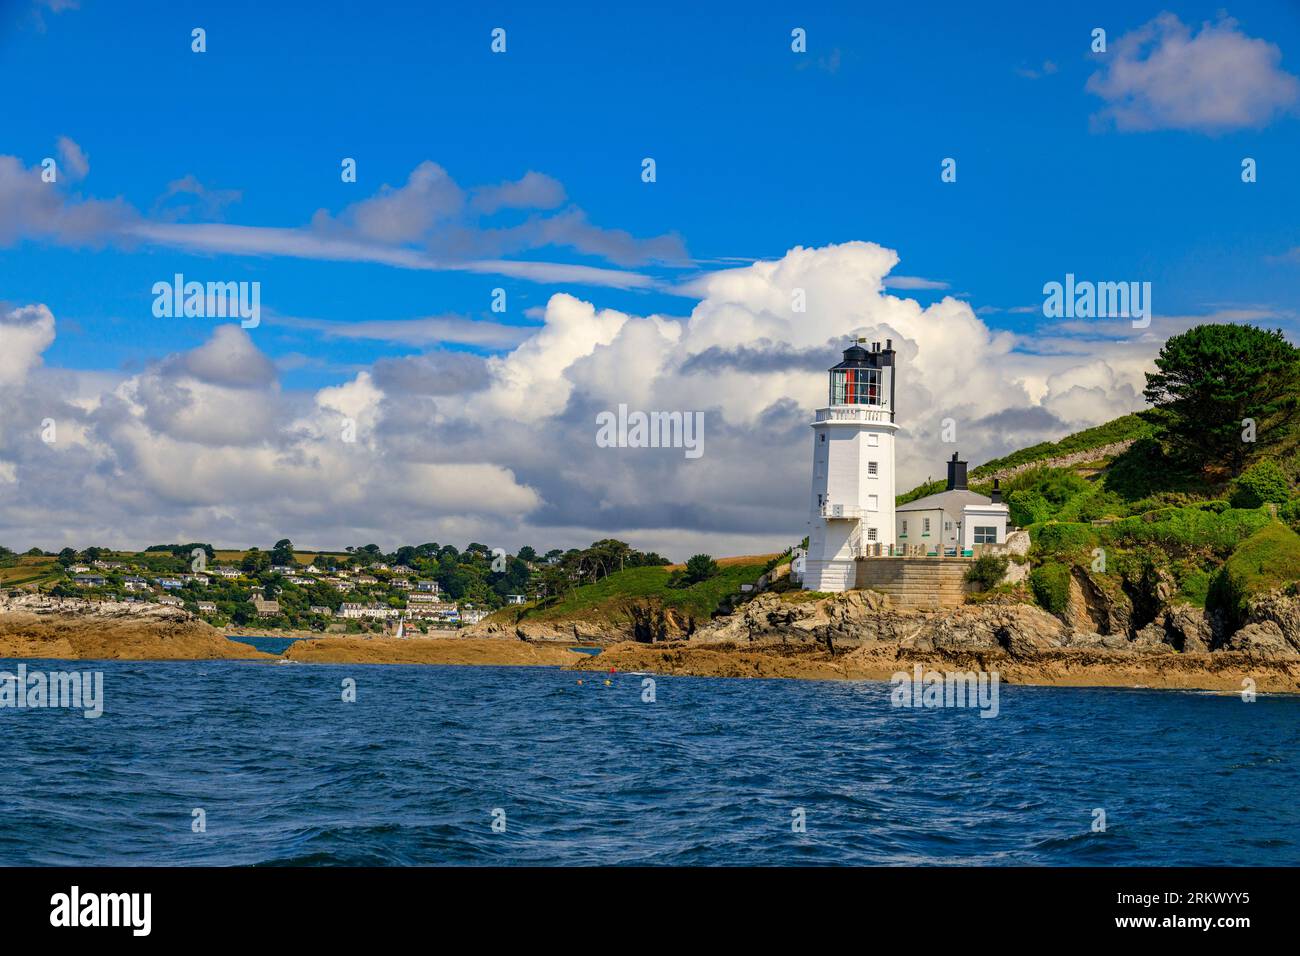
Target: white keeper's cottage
<point x="955" y="520"/>
<point x="853" y="487"/>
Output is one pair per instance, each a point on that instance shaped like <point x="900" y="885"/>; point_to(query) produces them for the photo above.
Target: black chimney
<point x="956" y="474"/>
<point x="997" y="493"/>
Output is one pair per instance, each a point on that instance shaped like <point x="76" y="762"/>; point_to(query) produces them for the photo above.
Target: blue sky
<point x="758" y="150"/>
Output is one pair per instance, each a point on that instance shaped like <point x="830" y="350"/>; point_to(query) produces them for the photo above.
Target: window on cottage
<point x="904" y="526"/>
<point x="986" y="535"/>
<point x="925" y="525"/>
<point x="871" y="534"/>
<point x="871" y="468"/>
<point x="873" y="503"/>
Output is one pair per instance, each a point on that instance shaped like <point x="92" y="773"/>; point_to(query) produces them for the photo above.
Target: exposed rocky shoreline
<point x="856" y="635"/>
<point x="36" y="625"/>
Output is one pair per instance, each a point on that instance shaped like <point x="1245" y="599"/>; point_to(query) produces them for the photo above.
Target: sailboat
<point x="401" y="628"/>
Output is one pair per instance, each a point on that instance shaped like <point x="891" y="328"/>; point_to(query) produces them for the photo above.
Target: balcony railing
<point x="852" y="413"/>
<point x="829" y="510"/>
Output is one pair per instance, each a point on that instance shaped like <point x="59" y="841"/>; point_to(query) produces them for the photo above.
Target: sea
<point x="242" y="762"/>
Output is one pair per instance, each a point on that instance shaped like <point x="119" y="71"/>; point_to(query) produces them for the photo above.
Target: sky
<point x="381" y="398"/>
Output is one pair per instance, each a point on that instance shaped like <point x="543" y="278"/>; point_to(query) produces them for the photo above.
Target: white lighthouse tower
<point x="853" y="468"/>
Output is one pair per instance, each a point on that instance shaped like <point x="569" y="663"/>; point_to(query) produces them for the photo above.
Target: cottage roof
<point x="950" y="501"/>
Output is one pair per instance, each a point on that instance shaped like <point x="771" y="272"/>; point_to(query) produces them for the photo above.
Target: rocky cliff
<point x="858" y="635"/>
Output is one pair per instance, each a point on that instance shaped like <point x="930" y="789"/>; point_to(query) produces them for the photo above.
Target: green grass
<point x="1063" y="538"/>
<point x="1181" y="530"/>
<point x="1050" y="584"/>
<point x="1126" y="428"/>
<point x="608" y="599"/>
<point x="1266" y="560"/>
<point x="30" y="571"/>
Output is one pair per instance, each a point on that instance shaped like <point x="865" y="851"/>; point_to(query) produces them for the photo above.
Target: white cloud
<point x="430" y="330"/>
<point x="207" y="445"/>
<point x="1163" y="76"/>
<point x="31" y="208"/>
<point x="426" y="224"/>
<point x="531" y="191"/>
<point x="75" y="163"/>
<point x="405" y="214"/>
<point x="24" y="334"/>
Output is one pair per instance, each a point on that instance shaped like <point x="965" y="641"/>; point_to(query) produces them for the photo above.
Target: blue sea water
<point x="266" y="643"/>
<point x="710" y="773"/>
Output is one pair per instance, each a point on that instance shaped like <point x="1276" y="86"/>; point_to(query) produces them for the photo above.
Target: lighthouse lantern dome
<point x="865" y="377"/>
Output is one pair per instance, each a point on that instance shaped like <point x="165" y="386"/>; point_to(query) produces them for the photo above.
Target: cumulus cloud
<point x="434" y="373"/>
<point x="24" y="334"/>
<point x="1164" y="76"/>
<point x="407" y="213"/>
<point x="208" y="445"/>
<point x="229" y="358"/>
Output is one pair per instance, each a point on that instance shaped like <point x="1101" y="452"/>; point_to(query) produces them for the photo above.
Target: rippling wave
<point x="712" y="773"/>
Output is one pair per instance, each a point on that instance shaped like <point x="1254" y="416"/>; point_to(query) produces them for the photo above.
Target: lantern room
<point x="865" y="377"/>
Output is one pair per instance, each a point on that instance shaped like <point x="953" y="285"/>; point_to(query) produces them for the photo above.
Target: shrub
<point x="699" y="568"/>
<point x="1055" y="485"/>
<point x="1062" y="537"/>
<point x="1028" y="507"/>
<point x="1268" y="559"/>
<point x="1186" y="529"/>
<point x="1090" y="506"/>
<point x="1259" y="484"/>
<point x="1050" y="583"/>
<point x="1290" y="513"/>
<point x="987" y="570"/>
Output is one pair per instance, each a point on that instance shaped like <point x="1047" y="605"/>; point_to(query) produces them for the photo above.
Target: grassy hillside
<point x="1266" y="560"/>
<point x="1157" y="526"/>
<point x="1126" y="428"/>
<point x="29" y="571"/>
<point x="608" y="600"/>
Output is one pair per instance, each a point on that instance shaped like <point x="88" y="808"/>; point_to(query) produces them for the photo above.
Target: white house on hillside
<point x="956" y="519"/>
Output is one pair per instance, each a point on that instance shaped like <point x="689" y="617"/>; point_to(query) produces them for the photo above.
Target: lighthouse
<point x="853" y="468"/>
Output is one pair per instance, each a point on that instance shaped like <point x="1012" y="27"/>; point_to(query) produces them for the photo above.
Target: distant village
<point x="431" y="587"/>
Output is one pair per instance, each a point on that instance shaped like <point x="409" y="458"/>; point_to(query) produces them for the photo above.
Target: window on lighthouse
<point x="855" y="386"/>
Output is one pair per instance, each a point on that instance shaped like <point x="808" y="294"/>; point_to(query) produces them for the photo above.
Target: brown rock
<point x="1188" y="628"/>
<point x="1263" y="639"/>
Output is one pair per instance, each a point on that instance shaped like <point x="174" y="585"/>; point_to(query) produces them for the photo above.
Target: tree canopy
<point x="1224" y="393"/>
